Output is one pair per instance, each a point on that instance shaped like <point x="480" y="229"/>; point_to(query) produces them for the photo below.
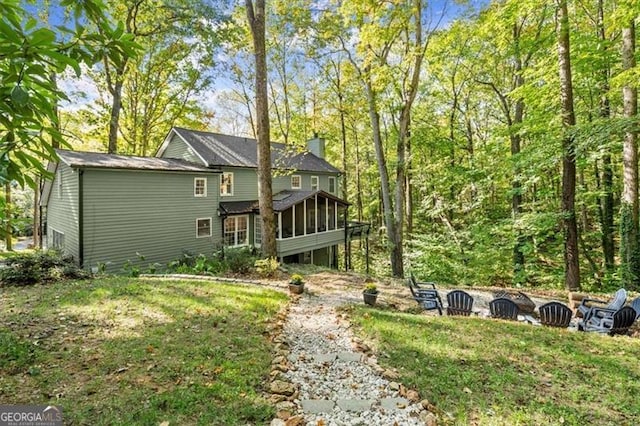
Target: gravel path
<point x="337" y="383"/>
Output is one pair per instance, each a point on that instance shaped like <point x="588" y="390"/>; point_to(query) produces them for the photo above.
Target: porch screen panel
<point x="332" y="215"/>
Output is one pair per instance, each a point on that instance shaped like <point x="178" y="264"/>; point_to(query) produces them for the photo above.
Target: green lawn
<point x="490" y="372"/>
<point x="130" y="351"/>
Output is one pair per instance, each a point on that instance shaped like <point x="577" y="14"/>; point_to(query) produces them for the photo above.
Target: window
<point x="235" y="231"/>
<point x="57" y="240"/>
<point x="332" y="185"/>
<point x="226" y="184"/>
<point x="200" y="187"/>
<point x="203" y="227"/>
<point x="296" y="182"/>
<point x="314" y="183"/>
<point x="257" y="231"/>
<point x="60" y="183"/>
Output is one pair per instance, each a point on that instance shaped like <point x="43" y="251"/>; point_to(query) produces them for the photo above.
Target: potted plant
<point x="296" y="284"/>
<point x="370" y="294"/>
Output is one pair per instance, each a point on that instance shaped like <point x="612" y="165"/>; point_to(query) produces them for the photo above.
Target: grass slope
<point x="490" y="372"/>
<point x="128" y="351"/>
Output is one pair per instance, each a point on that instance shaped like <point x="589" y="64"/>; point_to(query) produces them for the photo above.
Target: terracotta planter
<point x="296" y="288"/>
<point x="370" y="298"/>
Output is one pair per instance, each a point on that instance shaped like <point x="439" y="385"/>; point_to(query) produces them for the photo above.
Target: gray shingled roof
<point x="281" y="202"/>
<point x="112" y="161"/>
<point x="233" y="151"/>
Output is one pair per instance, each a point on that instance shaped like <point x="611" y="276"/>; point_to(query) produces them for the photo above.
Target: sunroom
<point x="305" y="220"/>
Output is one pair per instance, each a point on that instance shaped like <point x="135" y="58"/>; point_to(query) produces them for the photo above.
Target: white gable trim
<point x="167" y="140"/>
<point x="47" y="186"/>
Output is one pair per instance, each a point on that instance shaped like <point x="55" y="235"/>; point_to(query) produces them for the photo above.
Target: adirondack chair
<point x="503" y="308"/>
<point x="429" y="299"/>
<point x="636" y="306"/>
<point x="459" y="303"/>
<point x="425" y="287"/>
<point x="616" y="303"/>
<point x="555" y="314"/>
<point x="608" y="321"/>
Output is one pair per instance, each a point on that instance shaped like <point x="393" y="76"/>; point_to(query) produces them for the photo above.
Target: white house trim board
<point x="167" y="140"/>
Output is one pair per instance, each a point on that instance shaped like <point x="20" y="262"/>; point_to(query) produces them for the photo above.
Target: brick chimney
<point x="316" y="146"/>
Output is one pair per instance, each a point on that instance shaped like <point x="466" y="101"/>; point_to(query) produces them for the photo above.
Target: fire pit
<point x="525" y="304"/>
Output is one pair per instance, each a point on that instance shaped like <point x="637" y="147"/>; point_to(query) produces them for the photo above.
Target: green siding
<point x="177" y="148"/>
<point x="151" y="213"/>
<point x="245" y="185"/>
<point x="62" y="212"/>
<point x="289" y="246"/>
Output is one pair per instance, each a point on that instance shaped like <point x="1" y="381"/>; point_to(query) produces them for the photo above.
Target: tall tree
<point x="256" y="18"/>
<point x="630" y="257"/>
<point x="570" y="227"/>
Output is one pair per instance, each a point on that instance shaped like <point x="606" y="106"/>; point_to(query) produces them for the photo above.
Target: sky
<point x="82" y="91"/>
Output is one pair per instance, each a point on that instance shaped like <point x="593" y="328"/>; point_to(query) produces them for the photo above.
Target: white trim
<point x="59" y="184"/>
<point x="50" y="239"/>
<point x="317" y="185"/>
<point x="224" y="233"/>
<point x="335" y="185"/>
<point x="257" y="219"/>
<point x="233" y="184"/>
<point x="195" y="186"/>
<point x="166" y="141"/>
<point x="299" y="186"/>
<point x="210" y="226"/>
<point x="304" y="216"/>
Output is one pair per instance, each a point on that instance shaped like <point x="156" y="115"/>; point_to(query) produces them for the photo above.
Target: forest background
<point x="491" y="143"/>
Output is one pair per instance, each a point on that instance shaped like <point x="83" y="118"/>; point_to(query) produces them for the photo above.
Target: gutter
<point x="81" y="218"/>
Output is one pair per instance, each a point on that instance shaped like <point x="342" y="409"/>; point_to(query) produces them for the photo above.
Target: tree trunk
<point x="387" y="207"/>
<point x="8" y="231"/>
<point x="256" y="18"/>
<point x="629" y="256"/>
<point x="114" y="120"/>
<point x="606" y="199"/>
<point x="570" y="228"/>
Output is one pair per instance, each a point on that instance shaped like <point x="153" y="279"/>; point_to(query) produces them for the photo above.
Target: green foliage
<point x="139" y="337"/>
<point x="296" y="279"/>
<point x="268" y="267"/>
<point x="30" y="55"/>
<point x="371" y="288"/>
<point x="490" y="372"/>
<point x="38" y="268"/>
<point x="16" y="354"/>
<point x="239" y="260"/>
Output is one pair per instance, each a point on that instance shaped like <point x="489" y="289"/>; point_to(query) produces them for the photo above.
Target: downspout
<point x="80" y="219"/>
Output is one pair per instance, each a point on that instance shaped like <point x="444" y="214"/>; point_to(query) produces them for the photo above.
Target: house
<point x="198" y="194"/>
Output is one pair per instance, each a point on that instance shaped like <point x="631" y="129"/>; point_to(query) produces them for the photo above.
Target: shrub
<point x="39" y="267"/>
<point x="268" y="267"/>
<point x="239" y="260"/>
